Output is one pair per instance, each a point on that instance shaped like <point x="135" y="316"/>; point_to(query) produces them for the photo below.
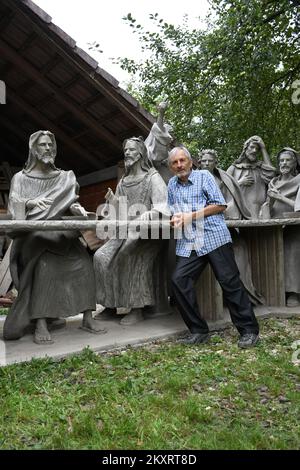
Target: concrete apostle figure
<point x="236" y="209"/>
<point x="253" y="175"/>
<point x="284" y="196"/>
<point x="51" y="269"/>
<point x="124" y="267"/>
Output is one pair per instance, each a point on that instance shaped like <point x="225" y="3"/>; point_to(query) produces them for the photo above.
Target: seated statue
<point x="284" y="196"/>
<point x="253" y="175"/>
<point x="51" y="270"/>
<point x="124" y="267"/>
<point x="236" y="209"/>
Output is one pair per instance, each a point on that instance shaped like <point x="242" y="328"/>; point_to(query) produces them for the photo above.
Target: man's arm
<point x="185" y="218"/>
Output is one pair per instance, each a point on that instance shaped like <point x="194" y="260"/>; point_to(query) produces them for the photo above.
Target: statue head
<point x="135" y="150"/>
<point x="250" y="150"/>
<point x="42" y="148"/>
<point x="288" y="161"/>
<point x="208" y="159"/>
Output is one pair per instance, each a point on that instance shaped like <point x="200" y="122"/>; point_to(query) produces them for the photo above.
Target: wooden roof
<point x="54" y="85"/>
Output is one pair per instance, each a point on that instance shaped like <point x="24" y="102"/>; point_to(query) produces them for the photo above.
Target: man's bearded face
<point x="131" y="153"/>
<point x="44" y="150"/>
<point x="252" y="152"/>
<point x="287" y="163"/>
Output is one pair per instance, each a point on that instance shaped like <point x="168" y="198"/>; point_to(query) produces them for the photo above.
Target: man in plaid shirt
<point x="197" y="205"/>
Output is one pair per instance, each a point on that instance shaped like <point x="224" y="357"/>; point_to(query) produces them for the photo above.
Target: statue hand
<point x="163" y="106"/>
<point x="274" y="193"/>
<point x="261" y="143"/>
<point x="246" y="181"/>
<point x="77" y="209"/>
<point x="41" y="203"/>
<point x="109" y="196"/>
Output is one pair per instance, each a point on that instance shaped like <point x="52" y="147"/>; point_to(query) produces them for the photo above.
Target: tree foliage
<point x="228" y="80"/>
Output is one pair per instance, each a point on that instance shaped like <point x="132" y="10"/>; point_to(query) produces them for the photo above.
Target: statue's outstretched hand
<point x="162" y="107"/>
<point x="109" y="196"/>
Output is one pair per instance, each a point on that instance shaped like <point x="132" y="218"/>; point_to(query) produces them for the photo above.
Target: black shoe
<point x="248" y="340"/>
<point x="195" y="338"/>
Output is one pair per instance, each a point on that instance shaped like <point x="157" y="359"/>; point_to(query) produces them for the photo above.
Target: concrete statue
<point x="158" y="143"/>
<point x="124" y="268"/>
<point x="284" y="197"/>
<point x="253" y="175"/>
<point x="51" y="270"/>
<point x="236" y="209"/>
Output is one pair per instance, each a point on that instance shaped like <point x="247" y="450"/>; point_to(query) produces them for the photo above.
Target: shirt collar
<point x="191" y="179"/>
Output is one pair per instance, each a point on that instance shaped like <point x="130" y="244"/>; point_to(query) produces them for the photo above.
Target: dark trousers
<point x="222" y="261"/>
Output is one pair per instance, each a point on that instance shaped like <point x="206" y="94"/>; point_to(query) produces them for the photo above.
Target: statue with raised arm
<point x="236" y="209"/>
<point x="51" y="270"/>
<point x="124" y="267"/>
<point x="284" y="196"/>
<point x="158" y="143"/>
<point x="253" y="175"/>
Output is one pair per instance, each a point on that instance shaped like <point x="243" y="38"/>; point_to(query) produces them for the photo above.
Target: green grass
<point x="163" y="396"/>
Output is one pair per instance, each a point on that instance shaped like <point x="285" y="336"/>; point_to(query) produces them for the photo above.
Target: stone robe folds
<point x="236" y="209"/>
<point x="124" y="268"/>
<point x="291" y="234"/>
<point x="255" y="194"/>
<point x="50" y="269"/>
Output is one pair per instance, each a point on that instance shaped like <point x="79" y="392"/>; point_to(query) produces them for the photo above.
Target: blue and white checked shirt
<point x="205" y="234"/>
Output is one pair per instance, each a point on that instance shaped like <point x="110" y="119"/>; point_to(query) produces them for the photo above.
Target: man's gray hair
<point x="178" y="149"/>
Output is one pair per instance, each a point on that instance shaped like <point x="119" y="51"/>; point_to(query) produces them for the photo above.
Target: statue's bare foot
<point x="106" y="314"/>
<point x="41" y="334"/>
<point x="134" y="316"/>
<point x="91" y="325"/>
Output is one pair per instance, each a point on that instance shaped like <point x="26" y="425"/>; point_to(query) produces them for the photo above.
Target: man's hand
<point x="77" y="209"/>
<point x="181" y="219"/>
<point x="246" y="181"/>
<point x="42" y="203"/>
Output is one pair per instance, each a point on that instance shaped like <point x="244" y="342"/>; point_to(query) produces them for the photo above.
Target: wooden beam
<point x="6" y="19"/>
<point x="53" y="62"/>
<point x="42" y="120"/>
<point x="25" y="67"/>
<point x="10" y="150"/>
<point x="98" y="176"/>
<point x="29" y="41"/>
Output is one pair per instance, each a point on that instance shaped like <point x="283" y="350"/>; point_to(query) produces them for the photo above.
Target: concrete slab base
<point x="72" y="340"/>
